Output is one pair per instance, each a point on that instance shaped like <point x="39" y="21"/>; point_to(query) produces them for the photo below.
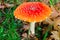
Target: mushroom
<point x="32" y="12"/>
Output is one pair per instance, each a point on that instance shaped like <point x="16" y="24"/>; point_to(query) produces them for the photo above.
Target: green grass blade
<point x="51" y="2"/>
<point x="46" y="33"/>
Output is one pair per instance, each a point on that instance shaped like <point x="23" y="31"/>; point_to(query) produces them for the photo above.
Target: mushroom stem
<point x="32" y="28"/>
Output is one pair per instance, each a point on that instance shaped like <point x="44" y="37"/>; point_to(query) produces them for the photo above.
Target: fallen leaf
<point x="55" y="35"/>
<point x="6" y="5"/>
<point x="2" y="6"/>
<point x="54" y="12"/>
<point x="24" y="35"/>
<point x="46" y="1"/>
<point x="57" y="23"/>
<point x="25" y="27"/>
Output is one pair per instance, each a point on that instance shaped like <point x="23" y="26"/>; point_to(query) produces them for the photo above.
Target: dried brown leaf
<point x="45" y="1"/>
<point x="25" y="27"/>
<point x="57" y="23"/>
<point x="24" y="0"/>
<point x="24" y="35"/>
<point x="6" y="5"/>
<point x="48" y="20"/>
<point x="9" y="5"/>
<point x="54" y="12"/>
<point x="2" y="6"/>
<point x="55" y="35"/>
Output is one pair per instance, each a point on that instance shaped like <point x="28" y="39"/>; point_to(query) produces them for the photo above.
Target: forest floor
<point x="14" y="29"/>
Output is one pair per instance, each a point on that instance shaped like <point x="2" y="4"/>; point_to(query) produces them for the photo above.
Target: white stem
<point x="32" y="28"/>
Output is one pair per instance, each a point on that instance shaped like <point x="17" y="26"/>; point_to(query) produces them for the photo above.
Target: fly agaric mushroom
<point x="32" y="12"/>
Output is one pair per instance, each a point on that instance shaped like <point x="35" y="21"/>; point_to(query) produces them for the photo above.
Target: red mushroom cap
<point x="32" y="12"/>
